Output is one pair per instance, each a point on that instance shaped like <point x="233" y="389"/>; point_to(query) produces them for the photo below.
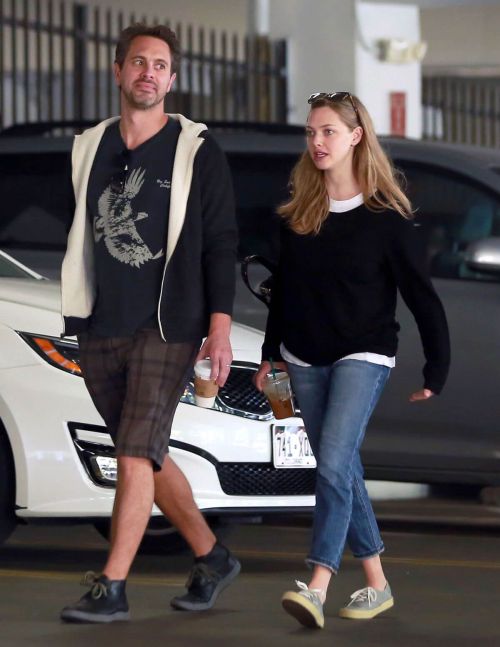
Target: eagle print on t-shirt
<point x="116" y="223"/>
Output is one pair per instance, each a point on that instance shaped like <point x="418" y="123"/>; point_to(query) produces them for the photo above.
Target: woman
<point x="348" y="244"/>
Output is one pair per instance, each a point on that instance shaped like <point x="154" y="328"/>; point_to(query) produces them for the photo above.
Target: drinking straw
<point x="273" y="370"/>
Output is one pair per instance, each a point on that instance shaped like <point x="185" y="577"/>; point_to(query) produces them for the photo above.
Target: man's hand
<point x="217" y="347"/>
<point x="423" y="394"/>
<point x="264" y="369"/>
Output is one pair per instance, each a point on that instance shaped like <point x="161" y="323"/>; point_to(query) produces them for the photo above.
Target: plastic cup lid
<point x="280" y="375"/>
<point x="203" y="368"/>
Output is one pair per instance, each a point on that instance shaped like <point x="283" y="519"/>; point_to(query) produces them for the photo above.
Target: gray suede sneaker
<point x="367" y="603"/>
<point x="305" y="606"/>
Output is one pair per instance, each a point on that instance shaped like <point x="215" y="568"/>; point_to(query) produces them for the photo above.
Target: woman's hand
<point x="423" y="394"/>
<point x="264" y="369"/>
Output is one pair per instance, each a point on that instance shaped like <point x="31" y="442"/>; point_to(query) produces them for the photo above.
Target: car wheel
<point x="161" y="537"/>
<point x="7" y="488"/>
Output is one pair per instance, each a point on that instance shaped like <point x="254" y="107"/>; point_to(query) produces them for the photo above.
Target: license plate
<point x="291" y="447"/>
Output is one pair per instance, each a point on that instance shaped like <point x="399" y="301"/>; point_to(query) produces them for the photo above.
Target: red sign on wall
<point x="398" y="114"/>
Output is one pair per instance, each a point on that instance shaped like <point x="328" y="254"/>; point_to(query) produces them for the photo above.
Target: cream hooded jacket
<point x="199" y="271"/>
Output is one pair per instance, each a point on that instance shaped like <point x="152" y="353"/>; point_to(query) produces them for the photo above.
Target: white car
<point x="57" y="459"/>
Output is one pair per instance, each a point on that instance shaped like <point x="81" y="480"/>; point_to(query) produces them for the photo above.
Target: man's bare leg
<point x="214" y="568"/>
<point x="107" y="600"/>
<point x="131" y="513"/>
<point x="174" y="497"/>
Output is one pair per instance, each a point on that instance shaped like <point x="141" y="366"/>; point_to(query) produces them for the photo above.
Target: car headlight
<point x="104" y="469"/>
<point x="61" y="353"/>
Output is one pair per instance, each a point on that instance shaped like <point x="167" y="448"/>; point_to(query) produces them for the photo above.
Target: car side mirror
<point x="483" y="255"/>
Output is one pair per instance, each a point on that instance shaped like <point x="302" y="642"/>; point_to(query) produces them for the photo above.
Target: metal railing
<point x="462" y="109"/>
<point x="56" y="64"/>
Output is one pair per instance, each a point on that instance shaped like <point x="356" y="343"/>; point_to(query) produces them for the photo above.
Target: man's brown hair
<point x="162" y="32"/>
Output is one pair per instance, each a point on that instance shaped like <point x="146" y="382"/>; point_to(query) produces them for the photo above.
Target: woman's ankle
<point x="378" y="584"/>
<point x="319" y="590"/>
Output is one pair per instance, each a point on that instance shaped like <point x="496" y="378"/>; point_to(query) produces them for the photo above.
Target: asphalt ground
<point x="442" y="561"/>
<point x="445" y="578"/>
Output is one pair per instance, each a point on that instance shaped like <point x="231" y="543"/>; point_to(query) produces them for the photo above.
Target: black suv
<point x="452" y="438"/>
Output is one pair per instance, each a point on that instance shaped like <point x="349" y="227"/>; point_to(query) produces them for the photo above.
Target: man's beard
<point x="145" y="104"/>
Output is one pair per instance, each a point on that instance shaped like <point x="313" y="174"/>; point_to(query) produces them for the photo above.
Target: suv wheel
<point x="161" y="537"/>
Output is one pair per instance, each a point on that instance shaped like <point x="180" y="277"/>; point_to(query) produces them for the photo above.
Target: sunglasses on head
<point x="334" y="96"/>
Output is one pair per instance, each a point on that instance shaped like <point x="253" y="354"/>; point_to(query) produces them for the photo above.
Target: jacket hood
<point x="192" y="128"/>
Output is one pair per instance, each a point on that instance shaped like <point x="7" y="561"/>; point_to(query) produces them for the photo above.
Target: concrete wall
<point x="458" y="33"/>
<point x="462" y="36"/>
<point x="230" y="15"/>
<point x="325" y="50"/>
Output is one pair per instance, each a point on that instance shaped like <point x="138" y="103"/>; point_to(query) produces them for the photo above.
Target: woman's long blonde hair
<point x="308" y="206"/>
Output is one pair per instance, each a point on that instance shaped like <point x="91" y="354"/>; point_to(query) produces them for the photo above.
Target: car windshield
<point x="10" y="270"/>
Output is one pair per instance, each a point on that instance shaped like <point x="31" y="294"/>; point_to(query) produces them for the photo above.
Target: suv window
<point x="453" y="212"/>
<point x="260" y="185"/>
<point x="34" y="209"/>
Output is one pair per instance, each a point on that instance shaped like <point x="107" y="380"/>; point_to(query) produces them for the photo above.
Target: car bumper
<point x="45" y="410"/>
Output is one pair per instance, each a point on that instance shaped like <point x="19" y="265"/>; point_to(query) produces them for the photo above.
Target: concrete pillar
<point x="258" y="17"/>
<point x="376" y="80"/>
<point x="333" y="45"/>
<point x="321" y="54"/>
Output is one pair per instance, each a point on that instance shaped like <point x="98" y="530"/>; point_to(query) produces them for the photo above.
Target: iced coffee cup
<point x="205" y="389"/>
<point x="278" y="391"/>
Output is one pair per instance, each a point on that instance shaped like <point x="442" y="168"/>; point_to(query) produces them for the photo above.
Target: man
<point x="149" y="272"/>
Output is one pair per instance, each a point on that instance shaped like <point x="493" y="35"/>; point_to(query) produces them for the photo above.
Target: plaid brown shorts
<point x="136" y="383"/>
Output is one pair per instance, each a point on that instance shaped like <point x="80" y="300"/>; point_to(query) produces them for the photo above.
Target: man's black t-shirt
<point x="128" y="201"/>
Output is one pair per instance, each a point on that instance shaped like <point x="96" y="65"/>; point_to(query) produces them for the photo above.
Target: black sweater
<point x="335" y="293"/>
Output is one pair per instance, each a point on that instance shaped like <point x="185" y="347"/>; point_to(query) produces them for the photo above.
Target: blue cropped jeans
<point x="336" y="402"/>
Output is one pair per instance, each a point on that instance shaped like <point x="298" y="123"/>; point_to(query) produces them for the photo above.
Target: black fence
<point x="56" y="64"/>
<point x="463" y="110"/>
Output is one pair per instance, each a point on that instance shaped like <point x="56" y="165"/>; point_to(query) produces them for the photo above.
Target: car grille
<point x="255" y="479"/>
<point x="239" y="393"/>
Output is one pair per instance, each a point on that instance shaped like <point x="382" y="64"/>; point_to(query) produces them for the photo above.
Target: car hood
<point x="45" y="295"/>
<point x="24" y="300"/>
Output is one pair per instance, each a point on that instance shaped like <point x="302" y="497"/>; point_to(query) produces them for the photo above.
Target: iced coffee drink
<point x="278" y="391"/>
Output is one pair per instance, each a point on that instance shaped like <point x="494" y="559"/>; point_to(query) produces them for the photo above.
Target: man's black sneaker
<point x="105" y="602"/>
<point x="209" y="576"/>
